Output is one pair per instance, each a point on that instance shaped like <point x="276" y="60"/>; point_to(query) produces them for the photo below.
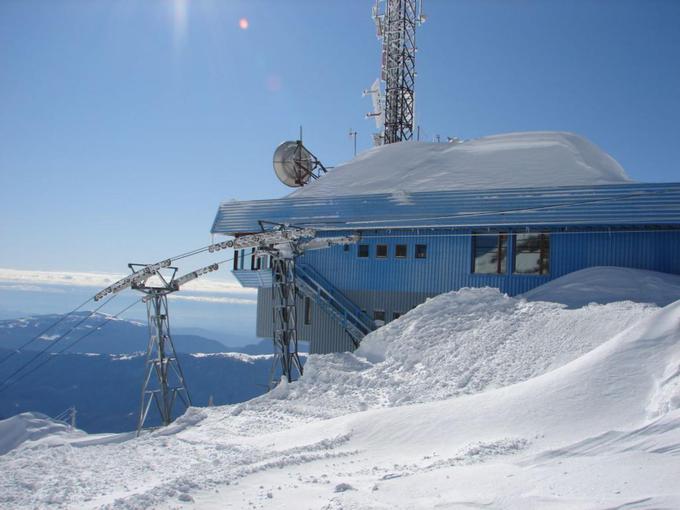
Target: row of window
<point x="531" y="254"/>
<point x="382" y="251"/>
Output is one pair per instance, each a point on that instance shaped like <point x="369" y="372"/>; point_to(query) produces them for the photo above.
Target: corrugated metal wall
<point x="323" y="332"/>
<point x="449" y="260"/>
<point x="397" y="285"/>
<point x="327" y="334"/>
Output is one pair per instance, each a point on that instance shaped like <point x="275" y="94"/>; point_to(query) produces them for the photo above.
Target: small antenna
<point x="353" y="134"/>
<point x="378" y="112"/>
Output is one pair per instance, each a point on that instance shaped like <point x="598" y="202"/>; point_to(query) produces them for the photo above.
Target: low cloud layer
<point x="224" y="290"/>
<point x="214" y="299"/>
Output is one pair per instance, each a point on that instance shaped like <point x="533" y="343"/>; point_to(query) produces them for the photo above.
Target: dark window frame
<point x="359" y="251"/>
<point x="378" y="248"/>
<point x="396" y="315"/>
<point x="396" y="251"/>
<point x="420" y="251"/>
<point x="544" y="253"/>
<point x="501" y="248"/>
<point x="376" y="312"/>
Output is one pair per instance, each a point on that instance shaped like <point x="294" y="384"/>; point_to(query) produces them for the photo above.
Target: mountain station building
<point x="509" y="211"/>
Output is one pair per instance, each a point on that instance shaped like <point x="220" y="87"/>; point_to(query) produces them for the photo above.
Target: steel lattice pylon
<point x="164" y="382"/>
<point x="285" y="318"/>
<point x="396" y="25"/>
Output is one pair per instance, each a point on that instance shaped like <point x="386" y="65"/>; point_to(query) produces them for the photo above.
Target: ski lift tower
<point x="396" y="22"/>
<point x="168" y="386"/>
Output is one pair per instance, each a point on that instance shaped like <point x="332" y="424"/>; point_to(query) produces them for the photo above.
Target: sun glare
<point x="243" y="23"/>
<point x="180" y="13"/>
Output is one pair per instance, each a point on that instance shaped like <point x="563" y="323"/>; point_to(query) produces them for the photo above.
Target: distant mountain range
<point x="105" y="388"/>
<point x="118" y="336"/>
<point x="102" y="374"/>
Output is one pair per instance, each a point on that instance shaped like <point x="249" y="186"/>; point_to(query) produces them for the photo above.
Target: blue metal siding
<point x="254" y="279"/>
<point x="449" y="260"/>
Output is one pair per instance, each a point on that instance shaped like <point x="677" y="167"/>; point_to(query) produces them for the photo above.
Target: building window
<point x="379" y="315"/>
<point x="345" y="247"/>
<point x="490" y="253"/>
<point x="381" y="251"/>
<point x="400" y="251"/>
<point x="532" y="254"/>
<point x="396" y="315"/>
<point x="421" y="251"/>
<point x="308" y="311"/>
<point x="363" y="251"/>
<point x="253" y="259"/>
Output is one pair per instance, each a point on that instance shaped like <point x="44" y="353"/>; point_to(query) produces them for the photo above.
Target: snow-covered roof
<point x="512" y="160"/>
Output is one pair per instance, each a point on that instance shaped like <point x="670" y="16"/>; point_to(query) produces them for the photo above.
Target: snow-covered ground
<point x="511" y="160"/>
<point x="473" y="399"/>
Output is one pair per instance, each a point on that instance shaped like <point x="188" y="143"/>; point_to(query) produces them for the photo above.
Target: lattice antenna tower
<point x="396" y="22"/>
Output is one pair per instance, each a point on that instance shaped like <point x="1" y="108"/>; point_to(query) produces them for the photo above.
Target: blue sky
<point x="124" y="123"/>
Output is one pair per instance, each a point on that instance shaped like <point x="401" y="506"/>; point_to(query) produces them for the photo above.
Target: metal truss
<point x="164" y="383"/>
<point x="396" y="22"/>
<point x="285" y="319"/>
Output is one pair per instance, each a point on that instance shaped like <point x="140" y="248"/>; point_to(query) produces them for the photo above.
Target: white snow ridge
<point x="510" y="160"/>
<point x="473" y="399"/>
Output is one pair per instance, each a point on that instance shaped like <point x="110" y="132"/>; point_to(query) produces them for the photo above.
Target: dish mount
<point x="295" y="165"/>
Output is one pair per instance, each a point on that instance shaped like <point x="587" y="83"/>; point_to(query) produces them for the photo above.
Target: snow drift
<point x="513" y="160"/>
<point x="607" y="285"/>
<point x="32" y="428"/>
<point x="457" y="343"/>
<point x="473" y="399"/>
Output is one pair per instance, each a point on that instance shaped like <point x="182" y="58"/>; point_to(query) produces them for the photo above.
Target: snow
<point x="32" y="428"/>
<point x="36" y="430"/>
<point x="609" y="284"/>
<point x="512" y="160"/>
<point x="239" y="356"/>
<point x="473" y="399"/>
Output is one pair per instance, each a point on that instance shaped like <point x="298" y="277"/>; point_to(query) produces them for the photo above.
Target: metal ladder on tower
<point x="349" y="316"/>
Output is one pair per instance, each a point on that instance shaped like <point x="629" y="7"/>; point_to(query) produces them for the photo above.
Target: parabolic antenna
<point x="294" y="165"/>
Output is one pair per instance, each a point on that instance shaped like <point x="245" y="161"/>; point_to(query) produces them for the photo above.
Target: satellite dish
<point x="294" y="164"/>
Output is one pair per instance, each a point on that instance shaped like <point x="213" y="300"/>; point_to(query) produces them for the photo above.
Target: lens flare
<point x="243" y="24"/>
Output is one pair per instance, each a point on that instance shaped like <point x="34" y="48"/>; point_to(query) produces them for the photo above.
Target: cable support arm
<point x="264" y="239"/>
<point x="320" y="243"/>
<point x="178" y="282"/>
<point x="134" y="279"/>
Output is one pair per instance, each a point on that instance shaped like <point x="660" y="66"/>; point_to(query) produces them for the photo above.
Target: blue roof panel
<point x="620" y="204"/>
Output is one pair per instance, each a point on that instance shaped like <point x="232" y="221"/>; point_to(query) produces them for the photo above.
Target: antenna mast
<point x="396" y="22"/>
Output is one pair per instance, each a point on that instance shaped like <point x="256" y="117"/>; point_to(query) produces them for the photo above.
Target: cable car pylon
<point x="164" y="384"/>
